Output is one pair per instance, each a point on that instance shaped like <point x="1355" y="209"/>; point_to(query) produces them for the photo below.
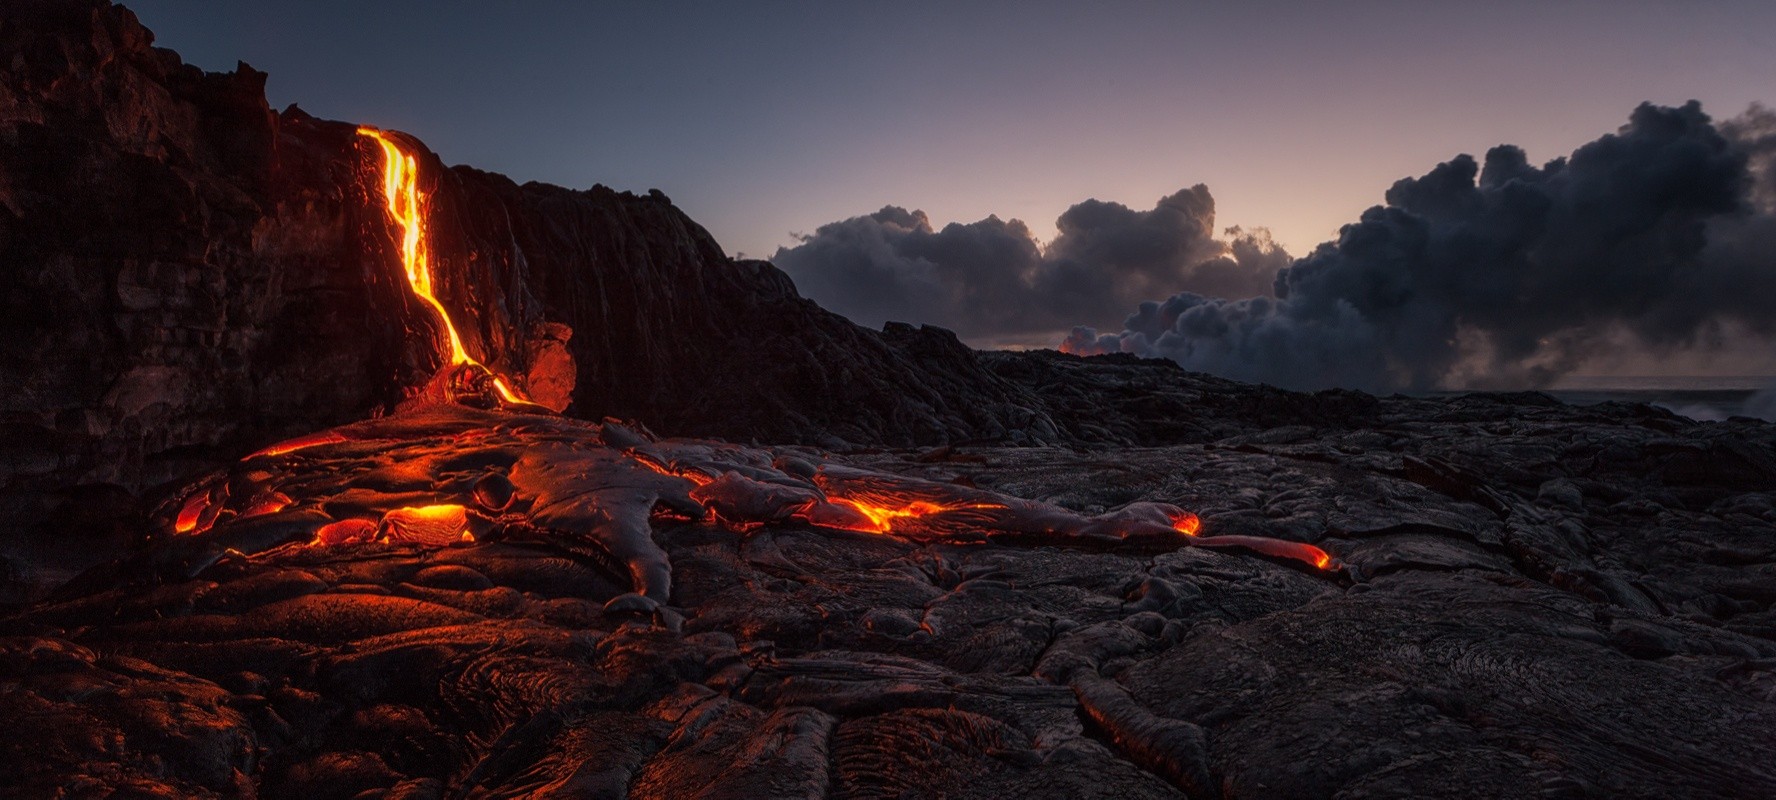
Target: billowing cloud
<point x="1506" y="273"/>
<point x="990" y="280"/>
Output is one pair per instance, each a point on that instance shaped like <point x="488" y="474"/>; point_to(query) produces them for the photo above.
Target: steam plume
<point x="1507" y="273"/>
<point x="990" y="279"/>
<point x="1496" y="272"/>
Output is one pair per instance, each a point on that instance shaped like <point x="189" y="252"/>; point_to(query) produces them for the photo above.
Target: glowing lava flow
<point x="191" y="514"/>
<point x="881" y="518"/>
<point x="300" y="442"/>
<point x="406" y="207"/>
<point x="431" y="526"/>
<point x="604" y="486"/>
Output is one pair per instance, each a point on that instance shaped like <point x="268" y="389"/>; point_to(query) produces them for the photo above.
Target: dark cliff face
<point x="189" y="275"/>
<point x="179" y="276"/>
<point x="669" y="331"/>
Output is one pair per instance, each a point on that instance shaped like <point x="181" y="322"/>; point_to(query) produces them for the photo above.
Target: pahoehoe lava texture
<point x="1536" y="601"/>
<point x="445" y="474"/>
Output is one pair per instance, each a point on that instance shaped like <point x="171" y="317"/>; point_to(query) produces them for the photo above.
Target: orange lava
<point x="434" y="525"/>
<point x="269" y="504"/>
<point x="191" y="513"/>
<point x="669" y="470"/>
<point x="437" y="525"/>
<point x="300" y="443"/>
<point x="880" y="518"/>
<point x="406" y="208"/>
<point x="1279" y="548"/>
<point x="1187" y="523"/>
<point x="345" y="531"/>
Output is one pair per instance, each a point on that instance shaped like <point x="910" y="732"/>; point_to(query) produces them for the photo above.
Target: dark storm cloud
<point x="990" y="279"/>
<point x="1505" y="272"/>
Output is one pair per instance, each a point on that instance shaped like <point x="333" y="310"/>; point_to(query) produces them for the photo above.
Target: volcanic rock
<point x="1521" y="598"/>
<point x="1483" y="636"/>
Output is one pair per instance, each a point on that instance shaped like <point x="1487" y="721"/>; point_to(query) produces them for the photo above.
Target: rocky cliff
<point x="190" y="275"/>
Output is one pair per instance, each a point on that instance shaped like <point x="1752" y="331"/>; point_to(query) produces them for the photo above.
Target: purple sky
<point x="765" y="118"/>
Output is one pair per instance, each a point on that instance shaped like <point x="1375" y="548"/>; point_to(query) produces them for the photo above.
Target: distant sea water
<point x="1708" y="398"/>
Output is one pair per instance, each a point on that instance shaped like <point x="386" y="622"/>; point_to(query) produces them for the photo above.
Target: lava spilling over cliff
<point x="222" y="270"/>
<point x="434" y="474"/>
<point x="407" y="208"/>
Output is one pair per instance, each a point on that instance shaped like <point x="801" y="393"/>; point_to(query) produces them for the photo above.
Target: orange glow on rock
<point x="1278" y="548"/>
<point x="268" y="504"/>
<point x="435" y="525"/>
<point x="505" y="392"/>
<point x="345" y="531"/>
<point x="300" y="443"/>
<point x="191" y="513"/>
<point x="880" y="517"/>
<point x="670" y="470"/>
<point x="1186" y="523"/>
<point x="406" y="208"/>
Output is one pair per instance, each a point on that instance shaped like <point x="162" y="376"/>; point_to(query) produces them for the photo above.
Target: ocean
<point x="1703" y="398"/>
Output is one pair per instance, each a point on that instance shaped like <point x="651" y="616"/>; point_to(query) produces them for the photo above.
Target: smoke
<point x="1658" y="239"/>
<point x="991" y="280"/>
<point x="1505" y="273"/>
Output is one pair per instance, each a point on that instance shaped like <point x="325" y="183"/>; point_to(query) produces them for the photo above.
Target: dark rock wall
<point x="178" y="279"/>
<point x="189" y="275"/>
<point x="670" y="331"/>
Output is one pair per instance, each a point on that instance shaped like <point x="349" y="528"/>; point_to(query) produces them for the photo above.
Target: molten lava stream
<point x="300" y="443"/>
<point x="1276" y="548"/>
<point x="191" y="514"/>
<point x="880" y="517"/>
<point x="406" y="208"/>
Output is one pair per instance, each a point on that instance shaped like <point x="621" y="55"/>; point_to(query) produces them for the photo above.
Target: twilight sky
<point x="769" y="120"/>
<point x="764" y="118"/>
